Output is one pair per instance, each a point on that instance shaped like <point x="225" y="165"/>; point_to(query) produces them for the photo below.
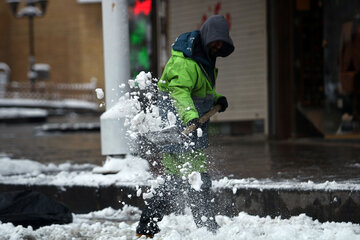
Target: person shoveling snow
<point x="186" y="92"/>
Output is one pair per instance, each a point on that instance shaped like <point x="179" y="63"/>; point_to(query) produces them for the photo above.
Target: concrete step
<point x="326" y="204"/>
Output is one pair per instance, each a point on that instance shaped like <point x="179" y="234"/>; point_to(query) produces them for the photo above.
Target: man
<point x="187" y="89"/>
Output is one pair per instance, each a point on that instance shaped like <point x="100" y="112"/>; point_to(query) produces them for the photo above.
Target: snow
<point x="29" y="11"/>
<point x="171" y="118"/>
<point x="129" y="168"/>
<point x="199" y="132"/>
<point x="195" y="181"/>
<point x="121" y="224"/>
<point x="262" y="184"/>
<point x="53" y="127"/>
<point x="132" y="171"/>
<point x="42" y="67"/>
<point x="11" y="113"/>
<point x="143" y="80"/>
<point x="89" y="1"/>
<point x="355" y="165"/>
<point x="137" y="120"/>
<point x="67" y="103"/>
<point x="99" y="93"/>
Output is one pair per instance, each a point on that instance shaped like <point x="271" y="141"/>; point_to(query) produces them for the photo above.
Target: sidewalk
<point x="316" y="160"/>
<point x="261" y="177"/>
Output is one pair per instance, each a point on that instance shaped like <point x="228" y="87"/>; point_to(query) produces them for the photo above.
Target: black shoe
<point x="147" y="229"/>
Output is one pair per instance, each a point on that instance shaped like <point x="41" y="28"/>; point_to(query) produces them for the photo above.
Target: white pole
<point x="117" y="71"/>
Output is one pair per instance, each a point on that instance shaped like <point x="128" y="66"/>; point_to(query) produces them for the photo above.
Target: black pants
<point x="171" y="197"/>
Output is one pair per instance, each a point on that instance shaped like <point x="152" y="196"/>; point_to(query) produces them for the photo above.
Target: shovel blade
<point x="168" y="136"/>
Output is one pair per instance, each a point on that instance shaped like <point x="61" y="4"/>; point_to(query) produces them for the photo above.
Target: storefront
<point x="327" y="64"/>
<point x="313" y="72"/>
<point x="342" y="62"/>
<point x="243" y="75"/>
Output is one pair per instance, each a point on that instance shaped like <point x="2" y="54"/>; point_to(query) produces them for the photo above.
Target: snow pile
<point x="130" y="171"/>
<point x="127" y="213"/>
<point x="262" y="184"/>
<point x="129" y="168"/>
<point x="134" y="171"/>
<point x="12" y="167"/>
<point x="32" y="169"/>
<point x="121" y="224"/>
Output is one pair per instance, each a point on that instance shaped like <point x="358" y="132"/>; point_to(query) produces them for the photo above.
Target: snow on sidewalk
<point x="133" y="171"/>
<point x="121" y="224"/>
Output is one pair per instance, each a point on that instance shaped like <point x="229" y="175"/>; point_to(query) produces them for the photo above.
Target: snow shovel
<point x="173" y="135"/>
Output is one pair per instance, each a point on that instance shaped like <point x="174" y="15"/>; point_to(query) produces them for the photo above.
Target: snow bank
<point x="32" y="168"/>
<point x="13" y="167"/>
<point x="262" y="184"/>
<point x="134" y="171"/>
<point x="131" y="171"/>
<point x="130" y="168"/>
<point x="121" y="224"/>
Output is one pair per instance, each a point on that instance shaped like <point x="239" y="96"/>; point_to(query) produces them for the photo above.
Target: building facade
<point x="293" y="72"/>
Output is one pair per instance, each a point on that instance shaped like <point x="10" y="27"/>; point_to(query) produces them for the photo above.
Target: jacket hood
<point x="185" y="43"/>
<point x="215" y="28"/>
<point x="189" y="44"/>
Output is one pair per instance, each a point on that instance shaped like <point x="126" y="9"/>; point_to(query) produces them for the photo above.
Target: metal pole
<point x="31" y="74"/>
<point x="117" y="71"/>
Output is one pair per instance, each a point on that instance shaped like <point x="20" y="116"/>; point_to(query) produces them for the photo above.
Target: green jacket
<point x="185" y="80"/>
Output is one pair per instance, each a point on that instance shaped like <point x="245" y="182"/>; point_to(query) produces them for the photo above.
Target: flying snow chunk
<point x="99" y="93"/>
<point x="131" y="83"/>
<point x="195" y="180"/>
<point x="143" y="80"/>
<point x="171" y="118"/>
<point x="199" y="132"/>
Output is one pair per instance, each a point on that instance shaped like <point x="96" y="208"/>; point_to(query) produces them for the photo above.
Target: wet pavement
<point x="317" y="160"/>
<point x="24" y="141"/>
<point x="301" y="159"/>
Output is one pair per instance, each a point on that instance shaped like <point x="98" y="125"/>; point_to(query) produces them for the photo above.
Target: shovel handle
<point x="203" y="119"/>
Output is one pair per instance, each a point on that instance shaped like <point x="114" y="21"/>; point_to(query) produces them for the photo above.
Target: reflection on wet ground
<point x="309" y="159"/>
<point x="234" y="157"/>
<point x="23" y="141"/>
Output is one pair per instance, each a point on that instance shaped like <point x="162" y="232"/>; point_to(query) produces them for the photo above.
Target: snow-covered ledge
<point x="88" y="1"/>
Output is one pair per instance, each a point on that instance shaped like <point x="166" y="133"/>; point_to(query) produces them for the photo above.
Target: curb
<point x="323" y="205"/>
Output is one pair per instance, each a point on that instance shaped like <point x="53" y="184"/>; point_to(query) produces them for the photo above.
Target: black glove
<point x="194" y="121"/>
<point x="223" y="103"/>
